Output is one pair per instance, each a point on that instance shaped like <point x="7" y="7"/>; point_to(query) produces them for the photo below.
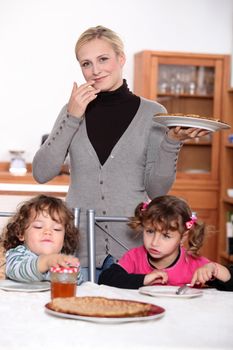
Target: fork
<point x="182" y="289"/>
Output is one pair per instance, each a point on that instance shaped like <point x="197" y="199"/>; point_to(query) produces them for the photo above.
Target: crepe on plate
<point x="101" y="307"/>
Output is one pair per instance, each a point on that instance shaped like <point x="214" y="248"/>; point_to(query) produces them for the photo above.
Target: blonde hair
<point x="100" y="32"/>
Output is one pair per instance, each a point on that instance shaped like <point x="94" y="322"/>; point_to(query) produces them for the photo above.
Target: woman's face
<point x="100" y="63"/>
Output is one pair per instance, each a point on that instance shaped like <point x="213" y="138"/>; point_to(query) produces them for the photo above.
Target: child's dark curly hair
<point x="169" y="213"/>
<point x="30" y="209"/>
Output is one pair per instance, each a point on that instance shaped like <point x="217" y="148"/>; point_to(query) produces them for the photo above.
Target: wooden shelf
<point x="7" y="178"/>
<point x="228" y="200"/>
<point x="226" y="173"/>
<point x="229" y="145"/>
<point x="185" y="95"/>
<point x="227" y="257"/>
<point x="197" y="143"/>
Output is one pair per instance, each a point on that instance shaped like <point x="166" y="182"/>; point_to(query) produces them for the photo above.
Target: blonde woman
<point x="118" y="155"/>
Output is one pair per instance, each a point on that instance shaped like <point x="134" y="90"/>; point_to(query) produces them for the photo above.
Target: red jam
<point x="63" y="282"/>
<point x="63" y="290"/>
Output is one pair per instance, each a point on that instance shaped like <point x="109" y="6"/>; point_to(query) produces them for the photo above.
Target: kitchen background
<point x="38" y="64"/>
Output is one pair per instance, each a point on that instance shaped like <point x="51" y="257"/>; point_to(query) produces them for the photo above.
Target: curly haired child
<point x="40" y="235"/>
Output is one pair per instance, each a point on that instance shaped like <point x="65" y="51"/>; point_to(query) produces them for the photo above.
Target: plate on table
<point x="96" y="309"/>
<point x="170" y="291"/>
<point x="190" y="121"/>
<point x="13" y="286"/>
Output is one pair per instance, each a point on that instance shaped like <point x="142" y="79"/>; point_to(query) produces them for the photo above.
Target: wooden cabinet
<point x="225" y="255"/>
<point x="191" y="84"/>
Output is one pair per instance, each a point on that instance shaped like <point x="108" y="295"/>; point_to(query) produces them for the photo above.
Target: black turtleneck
<point x="107" y="118"/>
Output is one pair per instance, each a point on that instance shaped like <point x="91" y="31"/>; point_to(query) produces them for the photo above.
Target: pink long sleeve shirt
<point x="136" y="261"/>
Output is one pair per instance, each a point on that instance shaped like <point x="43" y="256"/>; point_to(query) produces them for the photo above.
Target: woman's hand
<point x="155" y="277"/>
<point x="80" y="97"/>
<point x="45" y="262"/>
<point x="182" y="134"/>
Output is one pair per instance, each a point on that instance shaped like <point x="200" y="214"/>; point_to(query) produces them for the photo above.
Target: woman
<point x="118" y="155"/>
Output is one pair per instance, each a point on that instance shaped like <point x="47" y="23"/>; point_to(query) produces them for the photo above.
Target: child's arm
<point x="155" y="277"/>
<point x="209" y="271"/>
<point x="117" y="276"/>
<point x="44" y="262"/>
<point x="21" y="265"/>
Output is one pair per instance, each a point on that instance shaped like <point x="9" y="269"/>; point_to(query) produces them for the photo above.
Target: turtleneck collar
<point x="120" y="94"/>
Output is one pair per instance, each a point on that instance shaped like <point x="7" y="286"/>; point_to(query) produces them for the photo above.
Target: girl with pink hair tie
<point x="172" y="238"/>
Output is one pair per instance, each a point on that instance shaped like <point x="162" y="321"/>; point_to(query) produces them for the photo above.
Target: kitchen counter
<point x="26" y="185"/>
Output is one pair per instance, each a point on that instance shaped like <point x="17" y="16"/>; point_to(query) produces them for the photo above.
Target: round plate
<point x="190" y="122"/>
<point x="169" y="291"/>
<point x="12" y="286"/>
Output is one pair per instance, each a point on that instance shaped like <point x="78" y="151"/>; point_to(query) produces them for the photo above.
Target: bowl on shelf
<point x="230" y="192"/>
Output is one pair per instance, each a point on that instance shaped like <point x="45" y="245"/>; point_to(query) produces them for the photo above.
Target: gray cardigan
<point x="142" y="164"/>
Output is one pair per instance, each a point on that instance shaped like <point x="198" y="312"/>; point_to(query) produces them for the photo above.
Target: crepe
<point x="187" y="115"/>
<point x="101" y="307"/>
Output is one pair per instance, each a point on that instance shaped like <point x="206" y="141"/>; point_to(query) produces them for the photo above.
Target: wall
<point x="38" y="65"/>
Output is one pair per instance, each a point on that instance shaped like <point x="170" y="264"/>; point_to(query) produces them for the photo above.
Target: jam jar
<point x="63" y="281"/>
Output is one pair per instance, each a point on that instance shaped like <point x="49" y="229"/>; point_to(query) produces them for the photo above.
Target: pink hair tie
<point x="193" y="220"/>
<point x="144" y="205"/>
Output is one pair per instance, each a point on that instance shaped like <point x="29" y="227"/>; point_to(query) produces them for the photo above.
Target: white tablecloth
<point x="205" y="322"/>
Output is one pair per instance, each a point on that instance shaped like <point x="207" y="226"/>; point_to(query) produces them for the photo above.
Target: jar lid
<point x="62" y="269"/>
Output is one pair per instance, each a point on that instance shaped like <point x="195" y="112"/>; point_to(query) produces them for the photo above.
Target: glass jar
<point x="63" y="281"/>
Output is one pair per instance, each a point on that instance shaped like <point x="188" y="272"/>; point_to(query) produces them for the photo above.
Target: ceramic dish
<point x="169" y="291"/>
<point x="190" y="122"/>
<point x="13" y="286"/>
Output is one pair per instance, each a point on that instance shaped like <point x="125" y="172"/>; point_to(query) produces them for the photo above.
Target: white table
<point x="205" y="322"/>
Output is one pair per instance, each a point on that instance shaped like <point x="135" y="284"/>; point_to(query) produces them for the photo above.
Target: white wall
<point x="38" y="65"/>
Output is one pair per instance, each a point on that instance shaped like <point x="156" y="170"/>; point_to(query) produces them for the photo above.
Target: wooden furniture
<point x="226" y="174"/>
<point x="53" y="187"/>
<point x="193" y="84"/>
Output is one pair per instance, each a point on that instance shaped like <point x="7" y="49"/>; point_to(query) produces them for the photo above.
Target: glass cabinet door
<point x="189" y="88"/>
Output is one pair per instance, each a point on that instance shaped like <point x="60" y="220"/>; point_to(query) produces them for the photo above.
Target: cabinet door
<point x="191" y="86"/>
<point x="205" y="205"/>
<point x="226" y="175"/>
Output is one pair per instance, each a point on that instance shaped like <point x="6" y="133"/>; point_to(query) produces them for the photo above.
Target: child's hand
<point x="204" y="274"/>
<point x="155" y="277"/>
<point x="45" y="262"/>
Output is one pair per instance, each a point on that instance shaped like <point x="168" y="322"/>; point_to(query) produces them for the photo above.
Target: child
<point x="40" y="235"/>
<point x="167" y="222"/>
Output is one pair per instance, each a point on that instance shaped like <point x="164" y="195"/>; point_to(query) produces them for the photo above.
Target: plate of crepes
<point x="103" y="310"/>
<point x="170" y="291"/>
<point x="190" y="121"/>
<point x="13" y="286"/>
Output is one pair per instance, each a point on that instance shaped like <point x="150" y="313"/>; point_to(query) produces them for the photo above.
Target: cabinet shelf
<point x="185" y="95"/>
<point x="229" y="145"/>
<point x="197" y="143"/>
<point x="228" y="200"/>
<point x="226" y="257"/>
